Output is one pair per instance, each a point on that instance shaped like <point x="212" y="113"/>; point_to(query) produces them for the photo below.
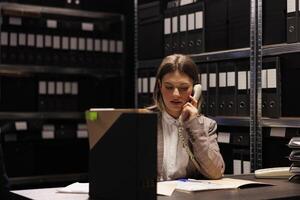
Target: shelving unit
<point x="254" y="123"/>
<point x="94" y="84"/>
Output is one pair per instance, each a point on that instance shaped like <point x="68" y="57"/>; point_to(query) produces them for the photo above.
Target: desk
<point x="282" y="189"/>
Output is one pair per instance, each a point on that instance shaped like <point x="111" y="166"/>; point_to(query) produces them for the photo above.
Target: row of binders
<point x="23" y="130"/>
<point x="226" y="88"/>
<point x="34" y="94"/>
<point x="62" y="41"/>
<point x="183" y="27"/>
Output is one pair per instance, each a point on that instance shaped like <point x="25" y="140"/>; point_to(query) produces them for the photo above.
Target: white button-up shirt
<point x="175" y="157"/>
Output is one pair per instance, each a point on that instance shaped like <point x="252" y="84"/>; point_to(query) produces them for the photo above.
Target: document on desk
<point x="79" y="188"/>
<point x="191" y="185"/>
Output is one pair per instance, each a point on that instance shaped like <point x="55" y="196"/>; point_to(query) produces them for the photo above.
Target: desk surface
<point x="282" y="189"/>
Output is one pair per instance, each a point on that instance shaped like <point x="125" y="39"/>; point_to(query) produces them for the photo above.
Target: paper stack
<point x="294" y="157"/>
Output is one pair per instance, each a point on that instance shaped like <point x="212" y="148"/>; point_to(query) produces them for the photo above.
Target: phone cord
<point x="187" y="148"/>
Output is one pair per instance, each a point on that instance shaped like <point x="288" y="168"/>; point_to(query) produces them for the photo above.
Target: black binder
<point x="292" y="31"/>
<point x="204" y="83"/>
<point x="216" y="28"/>
<point x="212" y="89"/>
<point x="238" y="23"/>
<point x="271" y="94"/>
<point x="150" y="19"/>
<point x="243" y="88"/>
<point x="168" y="35"/>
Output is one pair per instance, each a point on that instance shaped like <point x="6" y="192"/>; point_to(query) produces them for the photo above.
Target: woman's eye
<point x="169" y="87"/>
<point x="184" y="89"/>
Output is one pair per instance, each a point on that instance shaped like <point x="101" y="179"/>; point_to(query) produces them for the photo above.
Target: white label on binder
<point x="89" y="44"/>
<point x="139" y="85"/>
<point x="230" y="79"/>
<point x="56" y="42"/>
<point x="21" y="126"/>
<point x="22" y="39"/>
<point x="48" y="41"/>
<point x="112" y="46"/>
<point x="152" y="84"/>
<point x="49" y="127"/>
<point x="263" y="78"/>
<point x="42" y="87"/>
<point x="237" y="167"/>
<point x="82" y="133"/>
<point x="81" y="45"/>
<point x="271" y="78"/>
<point x="246" y="167"/>
<point x="182" y="23"/>
<point x="67" y="88"/>
<point x="167" y="26"/>
<point x="97" y="45"/>
<point x="174" y="24"/>
<point x="222" y="79"/>
<point x="185" y="2"/>
<point x="212" y="80"/>
<point x="51" y="87"/>
<point x="4" y="38"/>
<point x="65" y="43"/>
<point x="74" y="88"/>
<point x="242" y="80"/>
<point x="105" y="45"/>
<point x="224" y="137"/>
<point x="30" y="40"/>
<point x="51" y="23"/>
<point x="39" y="41"/>
<point x="191" y="21"/>
<point x="81" y="126"/>
<point x="47" y="134"/>
<point x="59" y="88"/>
<point x="291" y="6"/>
<point x="17" y="21"/>
<point x="87" y="26"/>
<point x="13" y="39"/>
<point x="199" y="20"/>
<point x="73" y="42"/>
<point x="277" y="132"/>
<point x="120" y="46"/>
<point x="204" y="82"/>
<point x="145" y="85"/>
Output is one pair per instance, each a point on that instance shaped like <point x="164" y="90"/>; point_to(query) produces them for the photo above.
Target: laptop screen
<point x="122" y="162"/>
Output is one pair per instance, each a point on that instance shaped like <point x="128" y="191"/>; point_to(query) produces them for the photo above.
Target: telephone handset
<point x="197" y="90"/>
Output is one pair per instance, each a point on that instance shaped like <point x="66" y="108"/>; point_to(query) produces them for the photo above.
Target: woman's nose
<point x="176" y="92"/>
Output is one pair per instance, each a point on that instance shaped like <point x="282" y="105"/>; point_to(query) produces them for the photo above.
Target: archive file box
<point x="150" y="18"/>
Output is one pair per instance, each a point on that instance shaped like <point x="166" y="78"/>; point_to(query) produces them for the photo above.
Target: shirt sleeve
<point x="201" y="133"/>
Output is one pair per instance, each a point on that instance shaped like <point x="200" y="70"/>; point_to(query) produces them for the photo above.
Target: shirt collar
<point x="169" y="119"/>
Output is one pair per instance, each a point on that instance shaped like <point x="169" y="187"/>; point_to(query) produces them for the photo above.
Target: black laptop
<point x="122" y="162"/>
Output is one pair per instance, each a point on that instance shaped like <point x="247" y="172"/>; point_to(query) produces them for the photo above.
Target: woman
<point x="187" y="145"/>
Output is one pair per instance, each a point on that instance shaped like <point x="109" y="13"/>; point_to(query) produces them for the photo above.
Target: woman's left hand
<point x="190" y="110"/>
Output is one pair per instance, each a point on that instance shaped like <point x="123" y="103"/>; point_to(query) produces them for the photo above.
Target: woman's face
<point x="176" y="88"/>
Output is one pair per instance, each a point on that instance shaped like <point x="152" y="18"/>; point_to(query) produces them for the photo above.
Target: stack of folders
<point x="294" y="157"/>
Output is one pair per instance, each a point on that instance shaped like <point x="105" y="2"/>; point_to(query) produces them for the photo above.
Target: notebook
<point x="122" y="158"/>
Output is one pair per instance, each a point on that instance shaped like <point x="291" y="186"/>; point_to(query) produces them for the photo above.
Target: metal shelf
<point x="268" y="50"/>
<point x="38" y="10"/>
<point x="29" y="69"/>
<point x="288" y="122"/>
<point x="40" y="115"/>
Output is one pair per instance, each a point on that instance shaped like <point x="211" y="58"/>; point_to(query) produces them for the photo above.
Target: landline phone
<point x="197" y="90"/>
